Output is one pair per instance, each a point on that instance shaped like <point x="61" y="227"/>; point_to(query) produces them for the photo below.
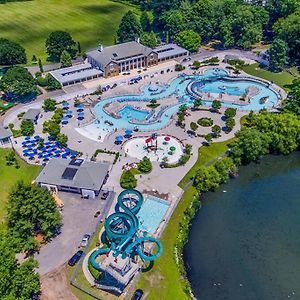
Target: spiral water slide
<point x="121" y="229"/>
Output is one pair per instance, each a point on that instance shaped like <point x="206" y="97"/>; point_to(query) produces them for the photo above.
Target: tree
<point x="174" y="22"/>
<point x="18" y="84"/>
<point x="62" y="139"/>
<point x="216" y="129"/>
<point x="27" y="127"/>
<point x="49" y="105"/>
<point x="250" y="145"/>
<point x="197" y="102"/>
<point x="183" y="108"/>
<point x="51" y="127"/>
<point x="292" y="104"/>
<point x="18" y="281"/>
<point x="128" y="180"/>
<point x="145" y="165"/>
<point x="149" y="39"/>
<point x="194" y="126"/>
<point x="208" y="138"/>
<point x="206" y="179"/>
<point x="278" y="55"/>
<point x="145" y="22"/>
<point x="57" y="42"/>
<point x="216" y="105"/>
<point x="129" y="29"/>
<point x="225" y="167"/>
<point x="230" y="112"/>
<point x="30" y="210"/>
<point x="10" y="158"/>
<point x="11" y="53"/>
<point x="52" y="83"/>
<point x="181" y="118"/>
<point x="78" y="48"/>
<point x="189" y="40"/>
<point x="230" y="123"/>
<point x="41" y="66"/>
<point x="65" y="59"/>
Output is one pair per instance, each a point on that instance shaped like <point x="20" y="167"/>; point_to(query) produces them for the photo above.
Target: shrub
<point x="145" y="165"/>
<point x="230" y="123"/>
<point x="205" y="122"/>
<point x="230" y="112"/>
<point x="27" y="127"/>
<point x="128" y="180"/>
<point x="179" y="68"/>
<point x="49" y="105"/>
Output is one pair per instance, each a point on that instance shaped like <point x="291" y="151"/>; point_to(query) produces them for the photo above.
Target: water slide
<point x="122" y="228"/>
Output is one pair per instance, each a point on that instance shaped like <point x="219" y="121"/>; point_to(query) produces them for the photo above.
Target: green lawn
<point x="164" y="280"/>
<point x="10" y="175"/>
<point x="281" y="78"/>
<point x="89" y="21"/>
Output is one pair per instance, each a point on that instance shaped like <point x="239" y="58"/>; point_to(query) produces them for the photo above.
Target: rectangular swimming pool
<point x="152" y="213"/>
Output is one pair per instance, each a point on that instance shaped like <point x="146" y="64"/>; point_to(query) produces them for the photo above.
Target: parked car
<point x="85" y="240"/>
<point x="104" y="195"/>
<point x="138" y="294"/>
<point x="97" y="213"/>
<point x="75" y="258"/>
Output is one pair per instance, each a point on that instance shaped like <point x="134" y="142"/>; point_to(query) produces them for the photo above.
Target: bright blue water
<point x="178" y="86"/>
<point x="129" y="112"/>
<point x="152" y="213"/>
<point x="244" y="244"/>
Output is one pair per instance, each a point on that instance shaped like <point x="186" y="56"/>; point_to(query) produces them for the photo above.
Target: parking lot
<point x="78" y="219"/>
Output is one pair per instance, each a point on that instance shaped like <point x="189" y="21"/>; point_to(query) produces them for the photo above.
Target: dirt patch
<point x="55" y="285"/>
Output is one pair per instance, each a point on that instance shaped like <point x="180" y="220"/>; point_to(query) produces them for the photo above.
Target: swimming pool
<point x="178" y="87"/>
<point x="152" y="213"/>
<point x="128" y="112"/>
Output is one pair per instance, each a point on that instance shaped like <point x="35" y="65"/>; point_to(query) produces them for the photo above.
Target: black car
<point x="138" y="294"/>
<point x="75" y="258"/>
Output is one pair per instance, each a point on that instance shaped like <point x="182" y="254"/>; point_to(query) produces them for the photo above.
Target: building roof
<point x="169" y="50"/>
<point x="31" y="114"/>
<point x="76" y="173"/>
<point x="78" y="72"/>
<point x="5" y="133"/>
<point x="119" y="52"/>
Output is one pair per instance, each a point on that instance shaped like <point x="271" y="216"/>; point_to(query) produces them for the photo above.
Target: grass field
<point x="164" y="281"/>
<point x="89" y="21"/>
<point x="10" y="175"/>
<point x="281" y="78"/>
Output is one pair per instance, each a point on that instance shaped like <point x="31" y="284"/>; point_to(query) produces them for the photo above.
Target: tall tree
<point x="189" y="40"/>
<point x="130" y="28"/>
<point x="65" y="59"/>
<point x="145" y="21"/>
<point x="278" y="55"/>
<point x="174" y="22"/>
<point x="149" y="39"/>
<point x="11" y="53"/>
<point x="57" y="42"/>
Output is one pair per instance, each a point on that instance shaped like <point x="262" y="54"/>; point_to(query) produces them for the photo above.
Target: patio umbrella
<point x="119" y="138"/>
<point x="44" y="149"/>
<point x="25" y="150"/>
<point x="47" y="143"/>
<point x="45" y="158"/>
<point x="65" y="155"/>
<point x="36" y="137"/>
<point x="128" y="132"/>
<point x="67" y="150"/>
<point x="73" y="154"/>
<point x="167" y="139"/>
<point x="57" y="152"/>
<point x="65" y="120"/>
<point x="24" y="144"/>
<point x="27" y="138"/>
<point x="172" y="148"/>
<point x="65" y="104"/>
<point x="80" y="113"/>
<point x="80" y="106"/>
<point x="31" y="156"/>
<point x="40" y="154"/>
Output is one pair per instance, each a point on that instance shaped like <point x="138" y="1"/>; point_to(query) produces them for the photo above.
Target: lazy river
<point x="244" y="243"/>
<point x="159" y="118"/>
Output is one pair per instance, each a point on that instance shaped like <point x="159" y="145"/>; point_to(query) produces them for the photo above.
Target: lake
<point x="244" y="243"/>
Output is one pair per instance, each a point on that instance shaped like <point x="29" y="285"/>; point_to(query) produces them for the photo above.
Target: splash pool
<point x="152" y="213"/>
<point x="215" y="85"/>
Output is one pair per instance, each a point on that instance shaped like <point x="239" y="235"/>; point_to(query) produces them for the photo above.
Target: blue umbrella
<point x="57" y="152"/>
<point x="35" y="151"/>
<point x="57" y="155"/>
<point x="69" y="112"/>
<point x="27" y="138"/>
<point x="119" y="138"/>
<point x="80" y="105"/>
<point x="44" y="149"/>
<point x="36" y="137"/>
<point x="26" y="150"/>
<point x="45" y="158"/>
<point x="67" y="150"/>
<point x="40" y="154"/>
<point x="64" y="155"/>
<point x="65" y="104"/>
<point x="47" y="143"/>
<point x="128" y="132"/>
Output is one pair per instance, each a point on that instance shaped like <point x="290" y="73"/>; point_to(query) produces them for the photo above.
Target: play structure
<point x="126" y="244"/>
<point x="156" y="147"/>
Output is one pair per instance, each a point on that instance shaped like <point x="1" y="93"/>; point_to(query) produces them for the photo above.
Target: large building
<point x="124" y="57"/>
<point x="74" y="175"/>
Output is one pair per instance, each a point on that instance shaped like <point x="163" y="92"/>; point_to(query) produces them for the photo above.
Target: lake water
<point x="244" y="244"/>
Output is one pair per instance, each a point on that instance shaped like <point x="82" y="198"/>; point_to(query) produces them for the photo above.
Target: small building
<point x="76" y="74"/>
<point x="124" y="57"/>
<point x="5" y="136"/>
<point x="32" y="114"/>
<point x="74" y="175"/>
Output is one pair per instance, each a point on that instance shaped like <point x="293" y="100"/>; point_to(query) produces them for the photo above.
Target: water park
<point x="136" y="112"/>
<point x="156" y="148"/>
<point x="127" y="243"/>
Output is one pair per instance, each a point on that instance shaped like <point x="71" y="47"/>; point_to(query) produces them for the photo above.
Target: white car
<point x="85" y="240"/>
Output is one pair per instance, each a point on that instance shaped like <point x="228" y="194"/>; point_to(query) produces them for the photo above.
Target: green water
<point x="244" y="244"/>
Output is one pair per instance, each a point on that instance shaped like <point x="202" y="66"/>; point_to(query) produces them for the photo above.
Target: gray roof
<point x="74" y="73"/>
<point x="89" y="175"/>
<point x="5" y="133"/>
<point x="169" y="50"/>
<point x="31" y="114"/>
<point x="119" y="52"/>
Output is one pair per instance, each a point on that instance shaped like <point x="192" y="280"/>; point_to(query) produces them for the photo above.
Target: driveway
<point x="78" y="219"/>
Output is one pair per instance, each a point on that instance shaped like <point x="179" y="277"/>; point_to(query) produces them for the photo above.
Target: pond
<point x="244" y="242"/>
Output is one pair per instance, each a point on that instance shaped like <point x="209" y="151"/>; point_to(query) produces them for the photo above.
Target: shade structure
<point x="57" y="152"/>
<point x="67" y="150"/>
<point x="65" y="155"/>
<point x="65" y="104"/>
<point x="80" y="106"/>
<point x="36" y="137"/>
<point x="128" y="132"/>
<point x="73" y="154"/>
<point x="27" y="138"/>
<point x="167" y="138"/>
<point x="172" y="148"/>
<point x="148" y="140"/>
